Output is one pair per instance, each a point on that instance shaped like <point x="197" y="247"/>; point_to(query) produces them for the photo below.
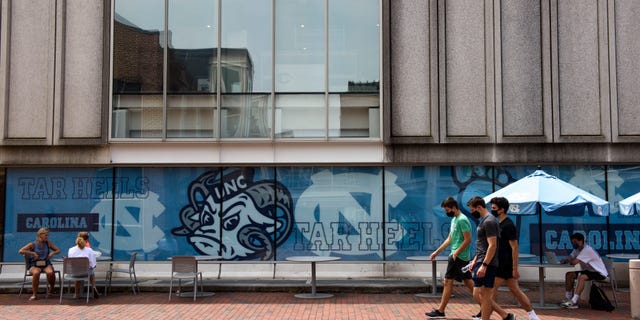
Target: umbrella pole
<point x="540" y="239"/>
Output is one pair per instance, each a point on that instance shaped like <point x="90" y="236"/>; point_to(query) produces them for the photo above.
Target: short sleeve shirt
<point x="487" y="228"/>
<point x="459" y="225"/>
<point x="507" y="233"/>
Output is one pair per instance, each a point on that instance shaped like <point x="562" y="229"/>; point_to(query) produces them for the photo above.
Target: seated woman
<point x="81" y="250"/>
<point x="85" y="235"/>
<point x="40" y="253"/>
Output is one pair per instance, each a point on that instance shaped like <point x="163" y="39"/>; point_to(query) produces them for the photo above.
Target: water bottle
<point x="466" y="268"/>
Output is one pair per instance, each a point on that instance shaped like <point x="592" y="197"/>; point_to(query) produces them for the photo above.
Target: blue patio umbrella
<point x="541" y="191"/>
<point x="630" y="206"/>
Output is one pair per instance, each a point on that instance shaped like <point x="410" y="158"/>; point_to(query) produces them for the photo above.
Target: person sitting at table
<point x="81" y="250"/>
<point x="40" y="253"/>
<point x="85" y="235"/>
<point x="592" y="266"/>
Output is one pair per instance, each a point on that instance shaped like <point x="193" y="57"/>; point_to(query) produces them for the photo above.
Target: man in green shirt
<point x="459" y="239"/>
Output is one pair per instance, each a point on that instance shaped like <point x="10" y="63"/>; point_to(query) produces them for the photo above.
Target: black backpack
<point x="598" y="299"/>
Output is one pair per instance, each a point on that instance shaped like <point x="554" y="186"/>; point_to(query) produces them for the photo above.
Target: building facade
<point x="258" y="130"/>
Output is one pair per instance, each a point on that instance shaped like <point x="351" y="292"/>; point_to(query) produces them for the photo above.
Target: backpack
<point x="598" y="299"/>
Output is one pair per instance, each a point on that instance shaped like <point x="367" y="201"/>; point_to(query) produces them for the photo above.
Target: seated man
<point x="592" y="266"/>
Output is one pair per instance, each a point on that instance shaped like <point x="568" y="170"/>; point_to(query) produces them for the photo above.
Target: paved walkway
<point x="282" y="306"/>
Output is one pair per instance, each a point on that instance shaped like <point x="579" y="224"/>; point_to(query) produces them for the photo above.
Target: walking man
<point x="508" y="256"/>
<point x="459" y="239"/>
<point x="485" y="263"/>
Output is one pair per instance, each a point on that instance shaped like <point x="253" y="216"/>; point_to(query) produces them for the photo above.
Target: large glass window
<point x="246" y="69"/>
<point x="217" y="69"/>
<point x="191" y="68"/>
<point x="138" y="57"/>
<point x="354" y="68"/>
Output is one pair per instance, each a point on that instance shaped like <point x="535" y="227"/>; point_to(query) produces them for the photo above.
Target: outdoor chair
<point x="131" y="271"/>
<point x="611" y="279"/>
<point x="28" y="274"/>
<point x="183" y="268"/>
<point x="76" y="269"/>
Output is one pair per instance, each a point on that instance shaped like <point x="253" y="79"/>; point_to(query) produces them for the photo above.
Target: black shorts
<point x="505" y="270"/>
<point x="591" y="275"/>
<point x="454" y="269"/>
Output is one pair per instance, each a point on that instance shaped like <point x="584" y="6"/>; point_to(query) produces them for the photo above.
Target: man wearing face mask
<point x="592" y="266"/>
<point x="459" y="239"/>
<point x="508" y="257"/>
<point x="485" y="263"/>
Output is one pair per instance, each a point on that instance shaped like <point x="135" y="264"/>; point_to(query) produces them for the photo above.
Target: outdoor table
<point x="434" y="280"/>
<point x="199" y="294"/>
<point x="313" y="260"/>
<point x="541" y="276"/>
<point x="623" y="256"/>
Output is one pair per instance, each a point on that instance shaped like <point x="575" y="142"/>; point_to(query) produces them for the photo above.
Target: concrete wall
<point x="54" y="67"/>
<point x="551" y="81"/>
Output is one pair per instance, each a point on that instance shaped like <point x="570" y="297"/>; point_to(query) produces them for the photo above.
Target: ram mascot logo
<point x="230" y="215"/>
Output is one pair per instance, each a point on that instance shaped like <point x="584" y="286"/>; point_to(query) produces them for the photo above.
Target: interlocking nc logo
<point x="514" y="208"/>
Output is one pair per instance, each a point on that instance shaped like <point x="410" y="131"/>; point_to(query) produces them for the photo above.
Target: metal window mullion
<point x="273" y="70"/>
<point x="219" y="72"/>
<point x="165" y="53"/>
<point x="326" y="70"/>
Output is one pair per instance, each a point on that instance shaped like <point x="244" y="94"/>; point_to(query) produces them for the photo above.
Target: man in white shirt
<point x="592" y="266"/>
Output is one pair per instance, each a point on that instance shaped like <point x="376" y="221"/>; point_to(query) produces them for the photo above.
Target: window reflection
<point x="300" y="50"/>
<point x="137" y="69"/>
<point x="254" y="66"/>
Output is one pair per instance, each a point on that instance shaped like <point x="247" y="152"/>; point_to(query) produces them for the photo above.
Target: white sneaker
<point x="569" y="305"/>
<point x="533" y="317"/>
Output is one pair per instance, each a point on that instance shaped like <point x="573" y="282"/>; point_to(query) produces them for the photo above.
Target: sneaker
<point x="477" y="316"/>
<point x="435" y="314"/>
<point x="569" y="305"/>
<point x="534" y="317"/>
<point x="510" y="316"/>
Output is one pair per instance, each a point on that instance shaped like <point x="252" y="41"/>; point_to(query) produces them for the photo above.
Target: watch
<point x="485" y="264"/>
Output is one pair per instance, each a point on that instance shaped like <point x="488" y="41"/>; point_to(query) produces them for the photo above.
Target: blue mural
<point x="270" y="213"/>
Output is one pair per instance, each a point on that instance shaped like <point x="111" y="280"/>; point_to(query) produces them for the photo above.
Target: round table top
<point x="627" y="256"/>
<point x="546" y="265"/>
<point x="312" y="258"/>
<point x="426" y="258"/>
<point x="205" y="258"/>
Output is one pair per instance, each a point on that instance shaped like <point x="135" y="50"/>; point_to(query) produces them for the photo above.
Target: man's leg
<point x="494" y="293"/>
<point x="446" y="294"/>
<point x="569" y="278"/>
<point x="581" y="280"/>
<point x="486" y="301"/>
<point x="519" y="295"/>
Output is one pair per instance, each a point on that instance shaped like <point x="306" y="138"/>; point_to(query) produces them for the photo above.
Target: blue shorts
<point x="489" y="276"/>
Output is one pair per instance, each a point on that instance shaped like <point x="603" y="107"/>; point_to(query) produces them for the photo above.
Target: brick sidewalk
<point x="282" y="306"/>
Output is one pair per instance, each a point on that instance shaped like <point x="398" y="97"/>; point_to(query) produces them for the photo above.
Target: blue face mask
<point x="575" y="245"/>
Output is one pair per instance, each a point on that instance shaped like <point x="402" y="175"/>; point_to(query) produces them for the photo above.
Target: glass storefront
<point x="241" y="69"/>
<point x="269" y="213"/>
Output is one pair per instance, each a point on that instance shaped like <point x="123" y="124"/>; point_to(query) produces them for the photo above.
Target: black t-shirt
<point x="507" y="233"/>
